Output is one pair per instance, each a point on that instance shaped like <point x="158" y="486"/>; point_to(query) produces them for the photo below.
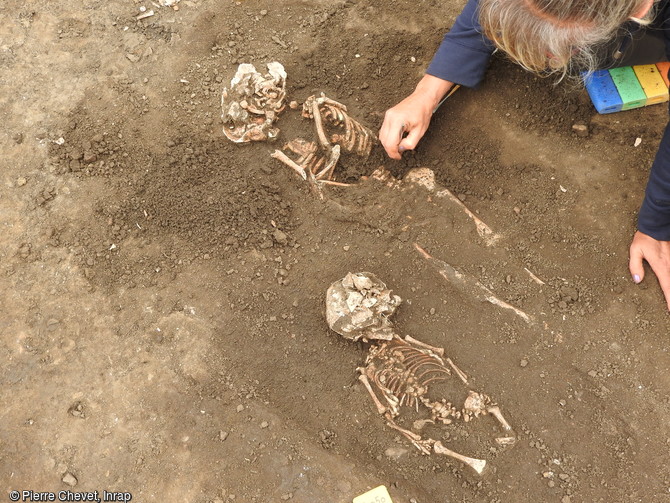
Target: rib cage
<point x="342" y="129"/>
<point x="403" y="372"/>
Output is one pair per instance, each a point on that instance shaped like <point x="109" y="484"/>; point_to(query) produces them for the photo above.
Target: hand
<point x="412" y="115"/>
<point x="657" y="254"/>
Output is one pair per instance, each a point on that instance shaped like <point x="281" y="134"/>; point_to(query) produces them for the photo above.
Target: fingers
<point x="411" y="140"/>
<point x="635" y="264"/>
<point x="657" y="255"/>
<point x="391" y="133"/>
<point x="412" y="116"/>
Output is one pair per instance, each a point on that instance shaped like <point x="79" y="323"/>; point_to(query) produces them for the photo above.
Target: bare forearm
<point x="433" y="89"/>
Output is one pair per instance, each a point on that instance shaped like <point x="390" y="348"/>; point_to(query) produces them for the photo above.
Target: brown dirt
<point x="161" y="338"/>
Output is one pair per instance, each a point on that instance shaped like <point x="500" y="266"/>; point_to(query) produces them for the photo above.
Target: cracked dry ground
<point x="162" y="324"/>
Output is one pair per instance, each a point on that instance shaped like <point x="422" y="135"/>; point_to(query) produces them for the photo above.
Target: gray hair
<point x="556" y="36"/>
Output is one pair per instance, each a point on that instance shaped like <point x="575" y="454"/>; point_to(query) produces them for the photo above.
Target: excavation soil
<point x="163" y="323"/>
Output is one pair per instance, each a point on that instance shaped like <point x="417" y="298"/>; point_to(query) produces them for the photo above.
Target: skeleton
<point x="403" y="371"/>
<point x="253" y="102"/>
<point x="336" y="131"/>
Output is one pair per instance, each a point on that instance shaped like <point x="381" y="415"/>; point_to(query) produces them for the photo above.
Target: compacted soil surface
<point x="162" y="314"/>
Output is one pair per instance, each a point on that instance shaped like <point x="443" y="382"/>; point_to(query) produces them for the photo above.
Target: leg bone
<point x="468" y="284"/>
<point x="477" y="465"/>
<point x="417" y="441"/>
<point x="483" y="230"/>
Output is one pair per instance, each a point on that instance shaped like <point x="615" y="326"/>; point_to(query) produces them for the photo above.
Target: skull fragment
<point x="251" y="105"/>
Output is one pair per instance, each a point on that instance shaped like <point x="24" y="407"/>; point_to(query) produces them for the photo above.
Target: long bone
<point x="477" y="465"/>
<point x="386" y="393"/>
<point x="483" y="230"/>
<point x="305" y="174"/>
<point x="380" y="407"/>
<point x="318" y="123"/>
<point x="495" y="412"/>
<point x="416" y="342"/>
<point x="507" y="440"/>
<point x="417" y="441"/>
<point x="469" y="284"/>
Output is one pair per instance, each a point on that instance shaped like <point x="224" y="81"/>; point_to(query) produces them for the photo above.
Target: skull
<point x="359" y="306"/>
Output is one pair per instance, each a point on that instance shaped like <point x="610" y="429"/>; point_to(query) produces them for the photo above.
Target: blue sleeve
<point x="654" y="217"/>
<point x="464" y="53"/>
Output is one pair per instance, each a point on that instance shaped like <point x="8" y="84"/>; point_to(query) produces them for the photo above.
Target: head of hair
<point x="557" y="36"/>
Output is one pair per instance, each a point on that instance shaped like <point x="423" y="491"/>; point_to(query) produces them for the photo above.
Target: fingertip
<point x="635" y="266"/>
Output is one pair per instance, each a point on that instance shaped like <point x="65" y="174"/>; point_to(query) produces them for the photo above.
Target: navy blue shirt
<point x="462" y="58"/>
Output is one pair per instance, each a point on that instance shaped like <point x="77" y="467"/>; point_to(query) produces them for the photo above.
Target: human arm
<point x="652" y="241"/>
<point x="461" y="58"/>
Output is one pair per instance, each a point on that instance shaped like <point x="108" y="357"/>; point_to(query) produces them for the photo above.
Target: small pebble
<point x="580" y="129"/>
<point x="280" y="237"/>
<point x="346" y="248"/>
<point x="70" y="479"/>
<point x="223" y="435"/>
<point x="432" y="310"/>
<point x="240" y="408"/>
<point x="523" y="362"/>
<point x="264" y="424"/>
<point x="21" y="181"/>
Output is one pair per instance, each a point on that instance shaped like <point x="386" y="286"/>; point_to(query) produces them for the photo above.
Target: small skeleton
<point x="253" y="102"/>
<point x="335" y="131"/>
<point x="403" y="371"/>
